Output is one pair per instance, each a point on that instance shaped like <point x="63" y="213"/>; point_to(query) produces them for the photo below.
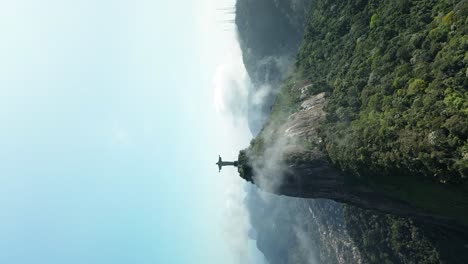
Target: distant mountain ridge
<point x="269" y="33"/>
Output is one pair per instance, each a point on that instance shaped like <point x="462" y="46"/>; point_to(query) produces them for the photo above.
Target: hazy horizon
<point x="113" y="116"/>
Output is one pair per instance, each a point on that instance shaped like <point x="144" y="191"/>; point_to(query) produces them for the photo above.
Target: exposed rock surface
<point x="304" y="122"/>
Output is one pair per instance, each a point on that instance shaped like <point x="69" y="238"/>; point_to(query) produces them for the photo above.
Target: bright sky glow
<point x="109" y="130"/>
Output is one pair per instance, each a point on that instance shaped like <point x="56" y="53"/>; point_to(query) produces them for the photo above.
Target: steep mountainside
<point x="395" y="126"/>
<point x="287" y="159"/>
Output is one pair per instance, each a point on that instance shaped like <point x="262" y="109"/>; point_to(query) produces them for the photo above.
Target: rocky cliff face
<point x="305" y="172"/>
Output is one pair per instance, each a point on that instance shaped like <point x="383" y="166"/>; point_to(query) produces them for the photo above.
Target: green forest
<point x="399" y="80"/>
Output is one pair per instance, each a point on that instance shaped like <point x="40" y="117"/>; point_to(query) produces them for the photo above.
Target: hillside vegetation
<point x="397" y="116"/>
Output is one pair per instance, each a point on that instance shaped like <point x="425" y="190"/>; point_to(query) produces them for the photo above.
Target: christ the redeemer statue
<point x="222" y="163"/>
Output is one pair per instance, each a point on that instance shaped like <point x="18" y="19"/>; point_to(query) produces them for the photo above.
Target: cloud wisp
<point x="231" y="83"/>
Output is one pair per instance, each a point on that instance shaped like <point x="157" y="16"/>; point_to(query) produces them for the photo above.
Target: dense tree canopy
<point x="399" y="75"/>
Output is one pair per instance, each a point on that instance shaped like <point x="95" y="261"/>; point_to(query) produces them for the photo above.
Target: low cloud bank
<point x="243" y="100"/>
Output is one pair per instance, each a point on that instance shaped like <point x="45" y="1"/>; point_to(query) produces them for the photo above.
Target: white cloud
<point x="231" y="82"/>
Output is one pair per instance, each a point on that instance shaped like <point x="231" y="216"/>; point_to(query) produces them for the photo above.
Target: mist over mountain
<point x="269" y="33"/>
<point x="293" y="230"/>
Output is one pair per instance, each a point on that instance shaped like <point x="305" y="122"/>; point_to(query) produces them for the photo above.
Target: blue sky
<point x="110" y="127"/>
